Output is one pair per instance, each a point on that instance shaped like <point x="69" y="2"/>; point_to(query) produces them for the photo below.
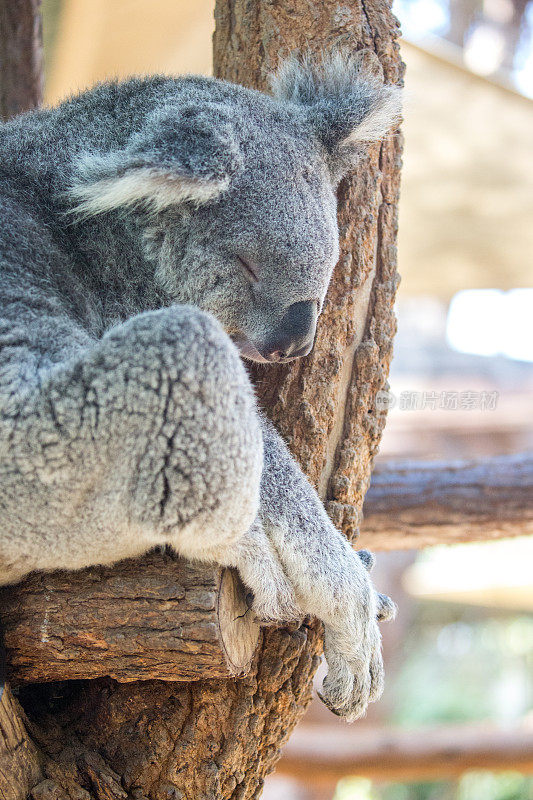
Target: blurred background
<point x="456" y="721"/>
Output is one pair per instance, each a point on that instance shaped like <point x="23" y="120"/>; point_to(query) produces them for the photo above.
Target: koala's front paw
<point x="274" y="602"/>
<point x="271" y="596"/>
<point x="355" y="671"/>
<point x="352" y="647"/>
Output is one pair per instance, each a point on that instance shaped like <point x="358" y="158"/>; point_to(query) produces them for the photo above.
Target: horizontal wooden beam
<point x="395" y="754"/>
<point x="411" y="505"/>
<point x="159" y="617"/>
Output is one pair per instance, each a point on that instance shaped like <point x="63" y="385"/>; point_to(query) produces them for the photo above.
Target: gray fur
<point x="127" y="418"/>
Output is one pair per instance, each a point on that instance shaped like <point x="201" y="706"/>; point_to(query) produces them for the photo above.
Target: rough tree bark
<point x="166" y="618"/>
<point x="217" y="739"/>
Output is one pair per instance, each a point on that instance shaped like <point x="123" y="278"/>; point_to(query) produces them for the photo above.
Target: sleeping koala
<point x="153" y="231"/>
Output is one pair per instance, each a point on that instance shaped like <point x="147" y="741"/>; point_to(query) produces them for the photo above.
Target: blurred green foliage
<point x="468" y="669"/>
<point x="472" y="786"/>
<point x="50" y="11"/>
<point x="458" y="664"/>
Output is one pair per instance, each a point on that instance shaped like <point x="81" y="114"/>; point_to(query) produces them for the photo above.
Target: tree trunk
<point x="21" y="56"/>
<point x="217" y="739"/>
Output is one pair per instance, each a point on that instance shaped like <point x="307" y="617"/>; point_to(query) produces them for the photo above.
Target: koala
<point x="155" y="232"/>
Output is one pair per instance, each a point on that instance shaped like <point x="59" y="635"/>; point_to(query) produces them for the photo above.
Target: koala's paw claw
<point x="350" y="701"/>
<point x="386" y="608"/>
<point x="323" y="697"/>
<point x="367" y="558"/>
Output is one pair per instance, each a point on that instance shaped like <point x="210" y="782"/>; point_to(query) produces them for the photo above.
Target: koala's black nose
<point x="295" y="335"/>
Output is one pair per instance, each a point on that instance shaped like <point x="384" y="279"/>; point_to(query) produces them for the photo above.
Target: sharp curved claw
<point x="328" y="705"/>
<point x="367" y="558"/>
<point x="386" y="608"/>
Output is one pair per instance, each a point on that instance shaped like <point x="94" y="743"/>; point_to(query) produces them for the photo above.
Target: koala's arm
<point x="147" y="436"/>
<point x="330" y="580"/>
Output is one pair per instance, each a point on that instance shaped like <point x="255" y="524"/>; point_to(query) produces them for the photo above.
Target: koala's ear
<point x="182" y="154"/>
<point x="346" y="104"/>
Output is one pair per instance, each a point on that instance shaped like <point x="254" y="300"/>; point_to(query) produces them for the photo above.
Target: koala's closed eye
<point x="250" y="270"/>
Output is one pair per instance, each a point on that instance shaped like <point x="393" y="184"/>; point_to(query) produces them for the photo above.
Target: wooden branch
<point x="417" y="504"/>
<point x="319" y="752"/>
<point x="158" y="617"/>
<point x="166" y="619"/>
<point x="21" y="56"/>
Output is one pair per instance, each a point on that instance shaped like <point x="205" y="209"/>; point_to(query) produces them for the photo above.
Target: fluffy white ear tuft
<point x="383" y="113"/>
<point x="156" y="188"/>
<point x="344" y="100"/>
<point x="182" y="154"/>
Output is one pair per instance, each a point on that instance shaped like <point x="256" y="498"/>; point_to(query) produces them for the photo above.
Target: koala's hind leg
<point x="147" y="436"/>
<point x="330" y="580"/>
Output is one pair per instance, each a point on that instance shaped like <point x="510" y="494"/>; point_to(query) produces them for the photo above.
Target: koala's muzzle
<point x="295" y="334"/>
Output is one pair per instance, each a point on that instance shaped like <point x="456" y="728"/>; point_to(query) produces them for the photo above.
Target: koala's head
<point x="240" y="187"/>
